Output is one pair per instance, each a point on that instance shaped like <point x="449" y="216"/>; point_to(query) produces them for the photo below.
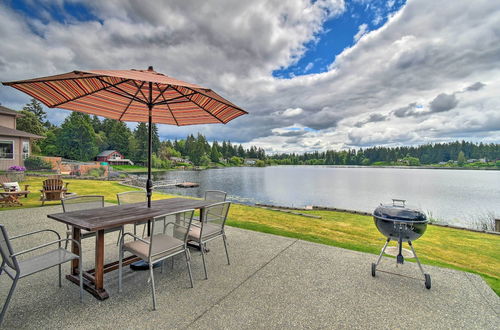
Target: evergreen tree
<point x="77" y="138"/>
<point x="36" y="108"/>
<point x="30" y="123"/>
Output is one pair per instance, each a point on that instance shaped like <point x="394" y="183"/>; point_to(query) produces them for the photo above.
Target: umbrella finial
<point x="150" y="68"/>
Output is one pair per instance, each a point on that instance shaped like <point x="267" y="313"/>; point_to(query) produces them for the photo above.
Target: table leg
<point x="99" y="260"/>
<point x="76" y="235"/>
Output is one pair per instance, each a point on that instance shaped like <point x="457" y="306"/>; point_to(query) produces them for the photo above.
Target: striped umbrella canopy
<point x="132" y="95"/>
<point x="128" y="95"/>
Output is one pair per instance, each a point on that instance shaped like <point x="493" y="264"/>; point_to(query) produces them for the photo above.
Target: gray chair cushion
<point x="161" y="243"/>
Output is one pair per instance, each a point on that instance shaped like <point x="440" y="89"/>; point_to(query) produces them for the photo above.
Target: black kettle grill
<point x="398" y="222"/>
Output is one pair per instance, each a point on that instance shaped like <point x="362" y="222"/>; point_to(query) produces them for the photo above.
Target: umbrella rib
<point x="80" y="96"/>
<point x="168" y="107"/>
<point x="140" y="88"/>
<point x="130" y="96"/>
<point x="161" y="92"/>
<point x="174" y="98"/>
<point x="128" y="105"/>
<point x="225" y="103"/>
<point x="203" y="108"/>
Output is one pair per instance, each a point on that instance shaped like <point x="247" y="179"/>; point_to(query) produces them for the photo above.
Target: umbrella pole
<point x="149" y="183"/>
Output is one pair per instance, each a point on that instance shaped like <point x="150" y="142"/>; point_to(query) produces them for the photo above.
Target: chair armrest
<point x="134" y="236"/>
<point x="47" y="244"/>
<point x="36" y="232"/>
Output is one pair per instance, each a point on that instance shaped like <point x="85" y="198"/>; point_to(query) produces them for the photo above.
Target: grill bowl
<point x="400" y="222"/>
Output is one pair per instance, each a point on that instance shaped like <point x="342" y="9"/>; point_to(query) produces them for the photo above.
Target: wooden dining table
<point x="100" y="220"/>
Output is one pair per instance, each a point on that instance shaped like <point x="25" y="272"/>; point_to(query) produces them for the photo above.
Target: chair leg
<point x="66" y="244"/>
<point x="60" y="275"/>
<point x="6" y="305"/>
<point x="152" y="285"/>
<point x="188" y="261"/>
<point x="225" y="247"/>
<point x="81" y="277"/>
<point x="122" y="230"/>
<point x="203" y="258"/>
<point x="120" y="266"/>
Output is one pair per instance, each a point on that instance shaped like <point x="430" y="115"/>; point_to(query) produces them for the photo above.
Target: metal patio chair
<point x="213" y="196"/>
<point x="130" y="197"/>
<point x="85" y="202"/>
<point x="211" y="227"/>
<point x="18" y="269"/>
<point x="169" y="234"/>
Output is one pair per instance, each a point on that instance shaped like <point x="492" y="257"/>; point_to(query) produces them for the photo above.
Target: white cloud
<point x="425" y="50"/>
<point x="292" y="112"/>
<point x="362" y="30"/>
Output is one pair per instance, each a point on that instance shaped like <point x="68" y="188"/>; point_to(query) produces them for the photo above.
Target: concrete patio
<point x="272" y="282"/>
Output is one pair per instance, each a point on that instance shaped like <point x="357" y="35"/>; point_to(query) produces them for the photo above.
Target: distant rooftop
<point x="7" y="111"/>
<point x="5" y="131"/>
<point x="106" y="153"/>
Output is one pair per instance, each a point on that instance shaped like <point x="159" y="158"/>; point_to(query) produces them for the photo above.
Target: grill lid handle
<point x="401" y="202"/>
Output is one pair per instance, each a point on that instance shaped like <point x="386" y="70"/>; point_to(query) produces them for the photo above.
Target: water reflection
<point x="457" y="196"/>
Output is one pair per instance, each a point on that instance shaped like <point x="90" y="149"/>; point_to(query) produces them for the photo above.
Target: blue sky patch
<point x="339" y="33"/>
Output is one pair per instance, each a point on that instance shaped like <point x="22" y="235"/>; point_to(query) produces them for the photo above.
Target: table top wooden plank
<point x="118" y="215"/>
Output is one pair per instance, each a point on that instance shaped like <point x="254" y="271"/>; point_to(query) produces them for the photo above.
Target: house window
<point x="26" y="149"/>
<point x="6" y="149"/>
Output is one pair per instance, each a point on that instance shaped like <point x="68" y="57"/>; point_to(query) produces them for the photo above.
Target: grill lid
<point x="399" y="211"/>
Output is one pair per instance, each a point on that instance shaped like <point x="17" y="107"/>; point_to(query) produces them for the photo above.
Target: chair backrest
<point x="175" y="224"/>
<point x="215" y="216"/>
<point x="215" y="195"/>
<point x="53" y="184"/>
<point x="6" y="249"/>
<point x="130" y="197"/>
<point x="84" y="202"/>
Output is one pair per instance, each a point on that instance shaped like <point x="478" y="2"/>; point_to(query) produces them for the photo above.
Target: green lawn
<point x="134" y="168"/>
<point x="458" y="249"/>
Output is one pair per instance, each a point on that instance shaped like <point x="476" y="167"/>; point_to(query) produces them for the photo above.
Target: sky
<point x="313" y="75"/>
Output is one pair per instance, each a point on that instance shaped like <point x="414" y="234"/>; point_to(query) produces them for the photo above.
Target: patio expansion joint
<point x="486" y="300"/>
<point x="239" y="285"/>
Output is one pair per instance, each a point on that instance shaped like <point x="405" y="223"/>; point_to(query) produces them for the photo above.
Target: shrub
<point x="37" y="163"/>
<point x="260" y="163"/>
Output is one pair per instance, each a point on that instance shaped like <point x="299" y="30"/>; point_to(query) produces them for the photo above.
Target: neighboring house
<point x="113" y="157"/>
<point x="177" y="160"/>
<point x="15" y="146"/>
<point x="250" y="161"/>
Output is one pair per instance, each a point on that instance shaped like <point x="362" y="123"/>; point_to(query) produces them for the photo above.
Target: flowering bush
<point x="17" y="168"/>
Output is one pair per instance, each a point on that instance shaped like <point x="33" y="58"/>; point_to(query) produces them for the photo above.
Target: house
<point x="177" y="160"/>
<point x="113" y="157"/>
<point x="15" y="145"/>
<point x="250" y="161"/>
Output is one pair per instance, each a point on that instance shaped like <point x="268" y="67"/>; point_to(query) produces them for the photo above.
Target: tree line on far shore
<point x="82" y="137"/>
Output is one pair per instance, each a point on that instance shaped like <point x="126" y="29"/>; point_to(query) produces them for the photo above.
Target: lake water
<point x="459" y="197"/>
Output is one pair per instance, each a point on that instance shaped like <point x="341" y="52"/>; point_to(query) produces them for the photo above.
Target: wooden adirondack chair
<point x="53" y="190"/>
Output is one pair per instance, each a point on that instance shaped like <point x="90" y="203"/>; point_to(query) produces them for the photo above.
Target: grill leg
<point x="382" y="252"/>
<point x="416" y="258"/>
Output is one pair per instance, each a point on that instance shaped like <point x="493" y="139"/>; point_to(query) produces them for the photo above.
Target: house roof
<point x="106" y="153"/>
<point x="7" y="111"/>
<point x="5" y="131"/>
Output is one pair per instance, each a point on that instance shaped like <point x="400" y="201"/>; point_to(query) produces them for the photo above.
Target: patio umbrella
<point x="132" y="95"/>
